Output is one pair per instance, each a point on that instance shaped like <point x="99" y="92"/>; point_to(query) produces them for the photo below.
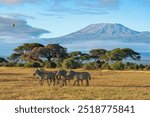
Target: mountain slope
<point x="104" y="31"/>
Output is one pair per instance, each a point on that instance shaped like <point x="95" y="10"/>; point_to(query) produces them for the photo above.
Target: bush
<point x="19" y="65"/>
<point x="134" y="67"/>
<point x="141" y="66"/>
<point x="117" y="66"/>
<point x="147" y="67"/>
<point x="59" y="64"/>
<point x="32" y="64"/>
<point x="11" y="64"/>
<point x="3" y="60"/>
<point x="91" y="66"/>
<point x="71" y="64"/>
<point x="105" y="66"/>
<point x="1" y="64"/>
<point x="50" y="64"/>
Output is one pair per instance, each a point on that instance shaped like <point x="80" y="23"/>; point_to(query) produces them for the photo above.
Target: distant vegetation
<point x="56" y="56"/>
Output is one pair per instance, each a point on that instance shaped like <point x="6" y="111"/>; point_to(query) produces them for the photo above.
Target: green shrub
<point x="71" y="64"/>
<point x="105" y="66"/>
<point x="117" y="66"/>
<point x="88" y="66"/>
<point x="3" y="60"/>
<point x="134" y="67"/>
<point x="50" y="64"/>
<point x="147" y="67"/>
<point x="10" y="64"/>
<point x="32" y="64"/>
<point x="141" y="66"/>
<point x="1" y="64"/>
<point x="59" y="64"/>
<point x="91" y="66"/>
<point x="19" y="65"/>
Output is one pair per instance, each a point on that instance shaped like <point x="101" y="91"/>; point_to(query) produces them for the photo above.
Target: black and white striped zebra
<point x="61" y="76"/>
<point x="78" y="76"/>
<point x="45" y="75"/>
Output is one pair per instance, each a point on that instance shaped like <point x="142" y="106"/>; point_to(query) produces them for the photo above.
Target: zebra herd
<point x="62" y="77"/>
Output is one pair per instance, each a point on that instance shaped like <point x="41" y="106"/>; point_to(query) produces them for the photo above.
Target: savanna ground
<point x="19" y="83"/>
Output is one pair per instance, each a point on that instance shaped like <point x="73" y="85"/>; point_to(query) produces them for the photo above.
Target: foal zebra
<point x="45" y="75"/>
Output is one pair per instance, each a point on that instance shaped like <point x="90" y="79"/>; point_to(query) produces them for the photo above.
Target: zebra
<point x="61" y="76"/>
<point x="78" y="76"/>
<point x="45" y="75"/>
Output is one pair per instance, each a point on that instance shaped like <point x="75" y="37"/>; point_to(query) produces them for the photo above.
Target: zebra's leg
<point x="40" y="81"/>
<point x="74" y="82"/>
<point x="62" y="82"/>
<point x="82" y="82"/>
<point x="57" y="82"/>
<point x="65" y="82"/>
<point x="53" y="82"/>
<point x="87" y="82"/>
<point x="78" y="83"/>
<point x="48" y="82"/>
<point x="69" y="81"/>
<point x="57" y="79"/>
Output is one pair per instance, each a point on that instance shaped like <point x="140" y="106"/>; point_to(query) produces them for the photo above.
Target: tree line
<point x="56" y="56"/>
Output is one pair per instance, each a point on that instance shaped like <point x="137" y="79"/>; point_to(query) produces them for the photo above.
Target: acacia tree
<point x="3" y="60"/>
<point x="97" y="54"/>
<point x="22" y="51"/>
<point x="49" y="52"/>
<point x="57" y="51"/>
<point x="74" y="54"/>
<point x="27" y="47"/>
<point x="120" y="54"/>
<point x="84" y="57"/>
<point x="79" y="56"/>
<point x="14" y="57"/>
<point x="130" y="53"/>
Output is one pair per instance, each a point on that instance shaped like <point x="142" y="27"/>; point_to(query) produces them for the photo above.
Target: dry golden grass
<point x="19" y="83"/>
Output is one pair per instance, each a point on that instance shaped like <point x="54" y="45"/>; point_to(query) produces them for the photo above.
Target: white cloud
<point x="16" y="30"/>
<point x="72" y="6"/>
<point x="16" y="16"/>
<point x="17" y="1"/>
<point x="107" y="44"/>
<point x="83" y="6"/>
<point x="10" y="1"/>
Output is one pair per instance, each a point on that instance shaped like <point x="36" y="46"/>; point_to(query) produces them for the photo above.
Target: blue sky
<point x="37" y="19"/>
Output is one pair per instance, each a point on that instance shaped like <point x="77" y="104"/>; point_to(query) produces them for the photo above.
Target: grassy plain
<point x="19" y="83"/>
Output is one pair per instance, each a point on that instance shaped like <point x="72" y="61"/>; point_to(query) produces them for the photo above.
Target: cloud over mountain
<point x="17" y="30"/>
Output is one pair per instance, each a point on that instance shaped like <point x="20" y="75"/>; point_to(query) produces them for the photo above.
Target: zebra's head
<point x="71" y="73"/>
<point x="37" y="72"/>
<point x="61" y="72"/>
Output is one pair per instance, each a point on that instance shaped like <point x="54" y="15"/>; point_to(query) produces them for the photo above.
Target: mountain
<point x="107" y="36"/>
<point x="104" y="31"/>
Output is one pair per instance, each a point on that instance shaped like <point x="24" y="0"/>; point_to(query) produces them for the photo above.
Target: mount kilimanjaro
<point x="104" y="31"/>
